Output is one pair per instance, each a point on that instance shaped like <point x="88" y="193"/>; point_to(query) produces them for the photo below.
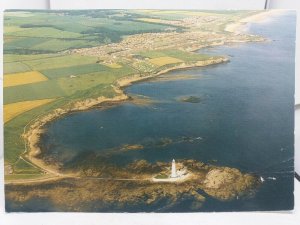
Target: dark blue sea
<point x="244" y="118"/>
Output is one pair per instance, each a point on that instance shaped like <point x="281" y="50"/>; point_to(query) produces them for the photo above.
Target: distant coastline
<point x="33" y="134"/>
<point x="108" y="147"/>
<point x="238" y="27"/>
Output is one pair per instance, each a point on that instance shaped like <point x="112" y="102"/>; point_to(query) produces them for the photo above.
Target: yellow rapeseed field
<point x="14" y="109"/>
<point x="161" y="61"/>
<point x="23" y="78"/>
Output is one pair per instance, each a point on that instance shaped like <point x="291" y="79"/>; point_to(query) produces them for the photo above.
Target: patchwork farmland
<point x="54" y="59"/>
<point x="40" y="76"/>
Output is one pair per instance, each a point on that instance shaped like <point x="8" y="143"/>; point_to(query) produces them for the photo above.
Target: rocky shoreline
<point x="33" y="134"/>
<point x="36" y="129"/>
<point x="102" y="184"/>
<point x="110" y="186"/>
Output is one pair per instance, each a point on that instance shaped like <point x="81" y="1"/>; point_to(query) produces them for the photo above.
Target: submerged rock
<point x="190" y="99"/>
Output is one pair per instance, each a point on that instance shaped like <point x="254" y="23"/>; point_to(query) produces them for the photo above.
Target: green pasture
<point x="34" y="91"/>
<point x="86" y="81"/>
<point x="49" y="45"/>
<point x="15" y="67"/>
<point x="19" y="58"/>
<point x="74" y="70"/>
<point x="56" y="45"/>
<point x="133" y="26"/>
<point x="61" y="61"/>
<point x="36" y="41"/>
<point x="23" y="167"/>
<point x="85" y="69"/>
<point x="23" y="43"/>
<point x="45" y="32"/>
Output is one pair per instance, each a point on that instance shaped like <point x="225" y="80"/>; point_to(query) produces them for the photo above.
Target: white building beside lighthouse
<point x="176" y="175"/>
<point x="173" y="170"/>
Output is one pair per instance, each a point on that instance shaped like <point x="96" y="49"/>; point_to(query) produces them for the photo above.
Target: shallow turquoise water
<point x="244" y="119"/>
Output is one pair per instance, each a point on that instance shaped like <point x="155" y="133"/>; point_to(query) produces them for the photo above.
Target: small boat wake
<point x="268" y="178"/>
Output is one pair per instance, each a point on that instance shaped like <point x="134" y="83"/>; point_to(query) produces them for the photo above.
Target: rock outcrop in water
<point x="190" y="99"/>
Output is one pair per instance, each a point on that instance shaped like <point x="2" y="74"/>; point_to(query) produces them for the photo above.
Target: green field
<point x="37" y="40"/>
<point x="15" y="67"/>
<point x="55" y="31"/>
<point x="45" y="32"/>
<point x="23" y="167"/>
<point x="17" y="57"/>
<point x="20" y="43"/>
<point x="87" y="81"/>
<point x="40" y="90"/>
<point x="75" y="70"/>
<point x="60" y="61"/>
<point x="62" y="44"/>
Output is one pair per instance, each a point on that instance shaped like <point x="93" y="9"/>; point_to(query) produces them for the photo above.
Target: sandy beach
<point x="239" y="27"/>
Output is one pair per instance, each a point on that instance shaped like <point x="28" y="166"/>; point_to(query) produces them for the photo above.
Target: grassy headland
<point x="84" y="66"/>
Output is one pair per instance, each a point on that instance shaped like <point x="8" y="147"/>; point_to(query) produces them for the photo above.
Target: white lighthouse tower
<point x="173" y="171"/>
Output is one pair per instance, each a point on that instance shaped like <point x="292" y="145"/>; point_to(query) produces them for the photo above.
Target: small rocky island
<point x="190" y="99"/>
<point x="104" y="187"/>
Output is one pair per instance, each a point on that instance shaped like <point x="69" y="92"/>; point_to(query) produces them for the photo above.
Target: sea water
<point x="244" y="118"/>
